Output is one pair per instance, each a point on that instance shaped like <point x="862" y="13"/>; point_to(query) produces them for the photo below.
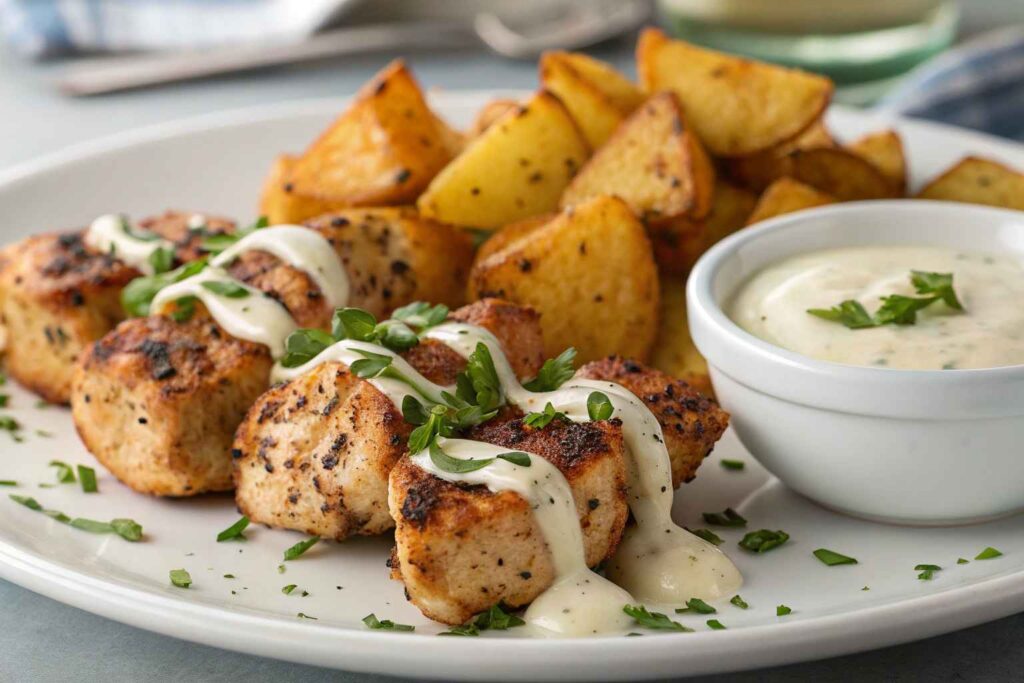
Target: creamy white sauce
<point x="257" y="317"/>
<point x="989" y="333"/>
<point x="106" y="234"/>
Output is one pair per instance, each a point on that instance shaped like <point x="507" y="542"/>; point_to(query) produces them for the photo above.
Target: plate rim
<point x="759" y="646"/>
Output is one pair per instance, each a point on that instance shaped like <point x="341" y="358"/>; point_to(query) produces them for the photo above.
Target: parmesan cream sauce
<point x="107" y="234"/>
<point x="989" y="332"/>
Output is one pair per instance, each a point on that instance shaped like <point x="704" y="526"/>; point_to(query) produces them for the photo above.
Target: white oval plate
<point x="216" y="164"/>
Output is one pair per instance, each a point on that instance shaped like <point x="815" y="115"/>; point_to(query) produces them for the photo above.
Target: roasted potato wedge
<point x="282" y="204"/>
<point x="518" y="168"/>
<point x="596" y="113"/>
<point x="978" y="181"/>
<point x="384" y="149"/>
<point x="622" y="92"/>
<point x="491" y="112"/>
<point x="885" y="151"/>
<point x="674" y="352"/>
<point x="758" y="171"/>
<point x="840" y="173"/>
<point x="654" y="162"/>
<point x="784" y="196"/>
<point x="679" y="242"/>
<point x="511" y="233"/>
<point x="589" y="273"/>
<point x="737" y="106"/>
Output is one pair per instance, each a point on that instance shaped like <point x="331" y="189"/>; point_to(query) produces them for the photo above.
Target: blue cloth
<point x="979" y="84"/>
<point x="46" y="28"/>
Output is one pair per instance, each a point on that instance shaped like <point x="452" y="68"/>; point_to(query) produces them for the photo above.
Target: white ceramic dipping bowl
<point x="928" y="447"/>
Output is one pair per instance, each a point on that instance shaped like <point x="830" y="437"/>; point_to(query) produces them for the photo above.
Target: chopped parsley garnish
<point x="140" y="292"/>
<point x="468" y="629"/>
<point x="12" y="427"/>
<point x="599" y="407"/>
<point x="896" y="309"/>
<point x="715" y="625"/>
<point x="235" y="531"/>
<point x="27" y="501"/>
<point x="218" y="242"/>
<point x="128" y="529"/>
<point x="4" y="400"/>
<point x="727" y="517"/>
<point x="231" y="290"/>
<point x="987" y="554"/>
<point x="447" y="463"/>
<point x="554" y="373"/>
<point x="421" y="314"/>
<point x="287" y="590"/>
<point x="87" y="477"/>
<point x="696" y="605"/>
<point x="516" y="458"/>
<point x="370" y="365"/>
<point x="161" y="259"/>
<point x="229" y="576"/>
<point x="8" y="482"/>
<point x="708" y="535"/>
<point x="832" y="558"/>
<point x="653" y="620"/>
<point x="739" y="602"/>
<point x="497" y="619"/>
<point x="763" y="540"/>
<point x="65" y="473"/>
<point x="125" y="528"/>
<point x="927" y="571"/>
<point x="373" y="622"/>
<point x="181" y="578"/>
<point x="300" y="615"/>
<point x="544" y="418"/>
<point x="963" y="560"/>
<point x="301" y="547"/>
<point x="91" y="525"/>
<point x="732" y="464"/>
<point x="782" y="611"/>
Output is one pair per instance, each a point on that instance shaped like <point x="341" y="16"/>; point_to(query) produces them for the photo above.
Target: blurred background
<point x="71" y="70"/>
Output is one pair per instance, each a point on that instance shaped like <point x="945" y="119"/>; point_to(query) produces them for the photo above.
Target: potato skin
<point x="977" y="180"/>
<point x="314" y="454"/>
<point x="460" y="550"/>
<point x="157" y="402"/>
<point x="57" y="296"/>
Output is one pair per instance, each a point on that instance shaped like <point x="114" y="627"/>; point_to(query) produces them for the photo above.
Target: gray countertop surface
<point x="42" y="640"/>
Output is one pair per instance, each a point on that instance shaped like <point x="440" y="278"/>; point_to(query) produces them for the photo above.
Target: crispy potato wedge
<point x="488" y="114"/>
<point x="654" y="162"/>
<point x="511" y="233"/>
<point x="840" y="173"/>
<point x="784" y="196"/>
<point x="738" y="107"/>
<point x="758" y="171"/>
<point x="978" y="181"/>
<point x="594" y="111"/>
<point x="679" y="242"/>
<point x="384" y="149"/>
<point x="518" y="168"/>
<point x="674" y="352"/>
<point x="281" y="203"/>
<point x="622" y="92"/>
<point x="589" y="273"/>
<point x="885" y="150"/>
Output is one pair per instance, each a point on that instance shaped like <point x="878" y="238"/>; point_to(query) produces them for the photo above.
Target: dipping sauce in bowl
<point x="987" y="332"/>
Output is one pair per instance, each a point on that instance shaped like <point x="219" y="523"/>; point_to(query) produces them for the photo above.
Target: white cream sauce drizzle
<point x="106" y="234"/>
<point x="257" y="317"/>
<point x="657" y="561"/>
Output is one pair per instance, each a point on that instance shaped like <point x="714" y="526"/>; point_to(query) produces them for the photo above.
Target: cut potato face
<point x="758" y="171"/>
<point x="622" y="92"/>
<point x="384" y="149"/>
<point x="654" y="162"/>
<point x="674" y="352"/>
<point x="978" y="181"/>
<point x="679" y="242"/>
<point x="488" y="114"/>
<point x="840" y="173"/>
<point x="737" y="106"/>
<point x="591" y="276"/>
<point x="512" y="232"/>
<point x="518" y="168"/>
<point x="885" y="151"/>
<point x="784" y="196"/>
<point x="282" y="204"/>
<point x="592" y="110"/>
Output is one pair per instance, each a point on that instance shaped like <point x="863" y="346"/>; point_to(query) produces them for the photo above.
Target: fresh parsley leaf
<point x="739" y="602"/>
<point x="901" y="310"/>
<point x="850" y="313"/>
<point x="91" y="525"/>
<point x="988" y="553"/>
<point x="218" y="242"/>
<point x="373" y="622"/>
<point x="27" y="501"/>
<point x="727" y="517"/>
<point x="231" y="290"/>
<point x="235" y="531"/>
<point x="782" y="611"/>
<point x="65" y="474"/>
<point x="554" y="373"/>
<point x="927" y="571"/>
<point x="87" y="477"/>
<point x="469" y="630"/>
<point x="763" y="540"/>
<point x="447" y="463"/>
<point x="963" y="560"/>
<point x="128" y="529"/>
<point x="832" y="558"/>
<point x="697" y="605"/>
<point x="184" y="309"/>
<point x="301" y="547"/>
<point x="8" y="482"/>
<point x="715" y="625"/>
<point x="353" y="323"/>
<point x="516" y="458"/>
<point x="161" y="259"/>
<point x="141" y="235"/>
<point x="396" y="336"/>
<point x="421" y="314"/>
<point x="181" y="578"/>
<point x="938" y="284"/>
<point x="732" y="464"/>
<point x="896" y="309"/>
<point x="302" y="346"/>
<point x="543" y="419"/>
<point x="437" y="424"/>
<point x="653" y="620"/>
<point x="371" y="365"/>
<point x="497" y="619"/>
<point x="287" y="590"/>
<point x="139" y="293"/>
<point x="413" y="411"/>
<point x="599" y="407"/>
<point x="708" y="535"/>
<point x="300" y="615"/>
<point x="483" y="379"/>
